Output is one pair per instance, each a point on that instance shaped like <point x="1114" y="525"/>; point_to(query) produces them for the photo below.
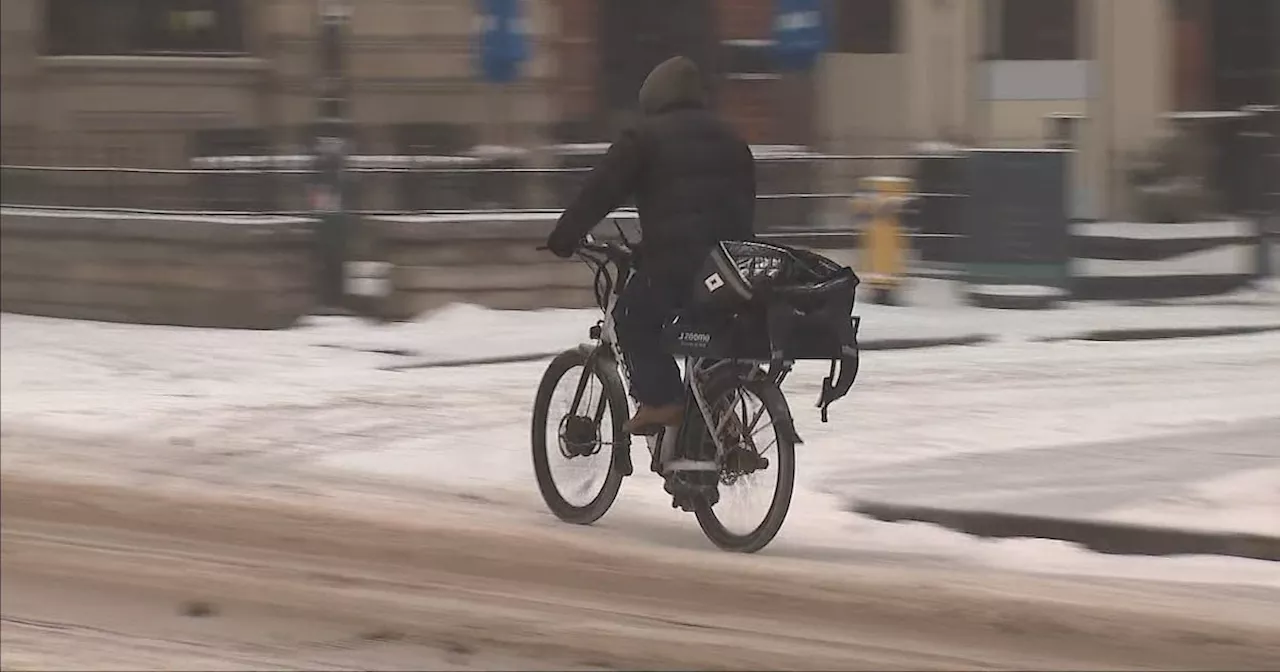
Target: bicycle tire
<point x="616" y="397"/>
<point x="776" y="406"/>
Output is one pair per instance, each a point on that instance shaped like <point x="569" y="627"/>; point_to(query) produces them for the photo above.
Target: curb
<point x="472" y="361"/>
<point x="981" y="296"/>
<point x="878" y="344"/>
<point x="1160" y="333"/>
<point x="866" y="346"/>
<point x="1102" y="537"/>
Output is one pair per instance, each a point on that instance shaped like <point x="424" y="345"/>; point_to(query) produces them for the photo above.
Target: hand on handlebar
<point x="560" y="246"/>
<point x="588" y="243"/>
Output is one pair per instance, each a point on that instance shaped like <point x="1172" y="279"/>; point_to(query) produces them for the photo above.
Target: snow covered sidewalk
<point x="273" y="409"/>
<point x="1214" y="489"/>
<point x="934" y="315"/>
<point x="1246" y="501"/>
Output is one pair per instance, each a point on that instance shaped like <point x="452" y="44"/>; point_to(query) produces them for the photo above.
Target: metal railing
<point x="797" y="195"/>
<point x="390" y="184"/>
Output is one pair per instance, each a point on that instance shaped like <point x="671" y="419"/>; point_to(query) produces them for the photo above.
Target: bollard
<point x="884" y="247"/>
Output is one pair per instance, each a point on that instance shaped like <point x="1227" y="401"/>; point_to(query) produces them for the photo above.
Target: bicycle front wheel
<point x="574" y="443"/>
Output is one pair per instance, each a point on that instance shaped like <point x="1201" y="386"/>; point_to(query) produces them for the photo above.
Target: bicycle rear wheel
<point x="575" y="448"/>
<point x="760" y="453"/>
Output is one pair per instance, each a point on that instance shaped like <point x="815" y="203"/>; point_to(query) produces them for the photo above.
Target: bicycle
<point x="716" y="446"/>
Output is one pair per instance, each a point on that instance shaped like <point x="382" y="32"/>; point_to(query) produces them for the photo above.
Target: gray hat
<point x="676" y="82"/>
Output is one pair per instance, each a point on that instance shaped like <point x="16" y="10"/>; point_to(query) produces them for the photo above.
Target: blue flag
<point x="503" y="43"/>
<point x="799" y="33"/>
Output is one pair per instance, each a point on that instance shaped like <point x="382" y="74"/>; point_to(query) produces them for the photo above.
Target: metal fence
<point x="799" y="189"/>
<point x="794" y="184"/>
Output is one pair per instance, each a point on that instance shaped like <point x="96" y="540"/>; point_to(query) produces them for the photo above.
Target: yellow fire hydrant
<point x="883" y="253"/>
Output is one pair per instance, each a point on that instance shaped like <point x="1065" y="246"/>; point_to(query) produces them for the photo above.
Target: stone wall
<point x="199" y="271"/>
<point x="488" y="260"/>
<point x="259" y="272"/>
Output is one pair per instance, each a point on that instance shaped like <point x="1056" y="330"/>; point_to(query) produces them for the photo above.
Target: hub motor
<point x="579" y="436"/>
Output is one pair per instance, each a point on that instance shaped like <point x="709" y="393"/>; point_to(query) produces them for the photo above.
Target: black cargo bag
<point x="764" y="301"/>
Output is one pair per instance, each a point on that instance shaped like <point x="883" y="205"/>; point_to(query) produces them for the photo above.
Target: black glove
<point x="561" y="246"/>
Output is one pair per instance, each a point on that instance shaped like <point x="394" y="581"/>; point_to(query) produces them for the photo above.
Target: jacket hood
<point x="676" y="82"/>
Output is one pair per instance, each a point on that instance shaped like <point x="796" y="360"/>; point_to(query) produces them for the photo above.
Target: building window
<point x="1033" y="30"/>
<point x="747" y="59"/>
<point x="144" y="27"/>
<point x="864" y="26"/>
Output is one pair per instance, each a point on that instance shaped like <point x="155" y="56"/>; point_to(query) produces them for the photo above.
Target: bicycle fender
<point x="589" y="350"/>
<point x="786" y="424"/>
<point x="601" y="358"/>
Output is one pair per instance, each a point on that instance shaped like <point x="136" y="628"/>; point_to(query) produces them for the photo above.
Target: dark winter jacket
<point x="691" y="175"/>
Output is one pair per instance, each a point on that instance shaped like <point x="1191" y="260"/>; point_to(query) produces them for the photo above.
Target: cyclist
<point x="692" y="178"/>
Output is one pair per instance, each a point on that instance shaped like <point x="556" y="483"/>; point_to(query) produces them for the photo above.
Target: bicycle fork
<point x="621" y="449"/>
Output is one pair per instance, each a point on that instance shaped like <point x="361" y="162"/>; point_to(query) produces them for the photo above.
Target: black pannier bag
<point x="770" y="302"/>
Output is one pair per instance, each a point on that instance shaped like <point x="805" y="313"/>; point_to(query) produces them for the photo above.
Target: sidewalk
<point x="277" y="409"/>
<point x="933" y="314"/>
<point x="1215" y="492"/>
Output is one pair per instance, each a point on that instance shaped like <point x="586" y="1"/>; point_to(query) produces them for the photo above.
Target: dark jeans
<point x="647" y="303"/>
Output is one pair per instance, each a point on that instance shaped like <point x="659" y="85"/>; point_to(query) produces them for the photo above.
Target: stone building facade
<point x="138" y="82"/>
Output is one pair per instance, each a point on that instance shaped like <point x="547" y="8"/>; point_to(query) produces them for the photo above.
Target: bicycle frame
<point x="663" y="447"/>
<point x="713" y="447"/>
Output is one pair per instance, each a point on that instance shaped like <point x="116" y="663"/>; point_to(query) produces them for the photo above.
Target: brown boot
<point x="649" y="419"/>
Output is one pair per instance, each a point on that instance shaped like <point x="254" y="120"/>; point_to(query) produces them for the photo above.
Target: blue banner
<point x="799" y="33"/>
<point x="503" y="42"/>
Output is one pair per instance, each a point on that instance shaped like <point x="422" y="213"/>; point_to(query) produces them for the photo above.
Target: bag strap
<point x="843" y="373"/>
<point x="836" y="386"/>
<point x="828" y="390"/>
<point x="779" y="318"/>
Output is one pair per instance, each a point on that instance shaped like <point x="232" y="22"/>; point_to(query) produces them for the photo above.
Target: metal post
<point x="330" y="148"/>
<point x="1260" y="142"/>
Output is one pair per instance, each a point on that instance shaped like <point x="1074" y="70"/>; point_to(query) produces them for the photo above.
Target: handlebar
<point x="611" y="250"/>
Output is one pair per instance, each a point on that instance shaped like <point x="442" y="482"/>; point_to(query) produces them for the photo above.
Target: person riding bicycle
<point x="693" y="180"/>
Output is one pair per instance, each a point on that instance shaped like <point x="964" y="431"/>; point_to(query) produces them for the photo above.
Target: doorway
<point x="635" y="36"/>
<point x="1226" y="54"/>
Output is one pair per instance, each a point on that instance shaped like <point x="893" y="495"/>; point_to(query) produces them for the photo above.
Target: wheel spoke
<point x="771" y="444"/>
<point x="748" y="488"/>
<point x="727" y="413"/>
<point x="579" y="468"/>
<point x="749" y="428"/>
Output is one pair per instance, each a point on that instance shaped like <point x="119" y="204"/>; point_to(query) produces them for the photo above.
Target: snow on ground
<point x="461" y="331"/>
<point x="934" y="310"/>
<point x="1241" y="502"/>
<point x="269" y="407"/>
<point x="907" y="406"/>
